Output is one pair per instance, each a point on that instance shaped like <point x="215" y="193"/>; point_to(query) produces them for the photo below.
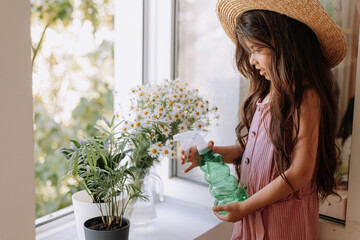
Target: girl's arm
<point x="298" y="174"/>
<point x="229" y="154"/>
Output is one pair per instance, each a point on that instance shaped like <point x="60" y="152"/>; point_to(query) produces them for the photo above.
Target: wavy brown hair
<point x="297" y="64"/>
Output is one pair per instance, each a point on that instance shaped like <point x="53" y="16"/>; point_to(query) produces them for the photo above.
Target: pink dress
<point x="289" y="218"/>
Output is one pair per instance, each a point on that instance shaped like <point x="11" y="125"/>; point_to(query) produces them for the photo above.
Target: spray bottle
<point x="223" y="185"/>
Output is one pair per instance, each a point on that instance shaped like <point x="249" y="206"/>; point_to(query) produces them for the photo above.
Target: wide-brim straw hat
<point x="309" y="12"/>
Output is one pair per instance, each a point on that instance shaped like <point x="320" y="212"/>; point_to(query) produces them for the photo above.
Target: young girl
<point x="288" y="124"/>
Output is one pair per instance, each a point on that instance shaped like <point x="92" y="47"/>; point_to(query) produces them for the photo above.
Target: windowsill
<point x="176" y="220"/>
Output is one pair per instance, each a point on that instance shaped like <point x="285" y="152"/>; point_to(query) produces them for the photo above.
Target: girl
<point x="286" y="135"/>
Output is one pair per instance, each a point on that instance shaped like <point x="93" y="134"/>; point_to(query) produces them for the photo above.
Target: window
<point x="72" y="56"/>
<point x="15" y="89"/>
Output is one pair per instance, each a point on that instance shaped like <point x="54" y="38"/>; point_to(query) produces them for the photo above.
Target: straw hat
<point x="310" y="12"/>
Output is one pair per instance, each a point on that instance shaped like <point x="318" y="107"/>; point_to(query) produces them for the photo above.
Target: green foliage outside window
<point x="54" y="122"/>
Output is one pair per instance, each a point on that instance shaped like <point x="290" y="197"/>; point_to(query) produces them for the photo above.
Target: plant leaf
<point x="76" y="164"/>
<point x="76" y="143"/>
<point x="101" y="129"/>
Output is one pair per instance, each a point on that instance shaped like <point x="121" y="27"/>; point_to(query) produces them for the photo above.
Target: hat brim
<point x="309" y="12"/>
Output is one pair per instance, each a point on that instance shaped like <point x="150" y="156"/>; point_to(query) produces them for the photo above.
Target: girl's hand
<point x="193" y="157"/>
<point x="236" y="211"/>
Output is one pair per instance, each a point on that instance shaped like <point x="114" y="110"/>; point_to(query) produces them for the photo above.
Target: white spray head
<point x="187" y="139"/>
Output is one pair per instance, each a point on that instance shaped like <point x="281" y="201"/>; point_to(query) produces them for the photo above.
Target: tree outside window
<point x="72" y="56"/>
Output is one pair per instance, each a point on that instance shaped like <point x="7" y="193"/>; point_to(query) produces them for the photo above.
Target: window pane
<point x="205" y="61"/>
<point x="72" y="51"/>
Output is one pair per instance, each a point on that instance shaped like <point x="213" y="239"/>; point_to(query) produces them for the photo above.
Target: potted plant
<point x="98" y="165"/>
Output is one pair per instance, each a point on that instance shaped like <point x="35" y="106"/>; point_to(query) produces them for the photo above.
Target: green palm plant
<point x="98" y="165"/>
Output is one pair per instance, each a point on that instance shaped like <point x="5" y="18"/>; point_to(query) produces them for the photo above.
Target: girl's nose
<point x="252" y="59"/>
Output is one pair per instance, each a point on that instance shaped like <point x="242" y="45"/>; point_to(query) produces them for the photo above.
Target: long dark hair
<point x="297" y="63"/>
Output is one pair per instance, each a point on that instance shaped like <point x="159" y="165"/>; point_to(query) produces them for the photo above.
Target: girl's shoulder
<point x="310" y="110"/>
<point x="310" y="99"/>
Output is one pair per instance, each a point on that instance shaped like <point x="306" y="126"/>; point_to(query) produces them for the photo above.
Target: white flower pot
<point x="85" y="209"/>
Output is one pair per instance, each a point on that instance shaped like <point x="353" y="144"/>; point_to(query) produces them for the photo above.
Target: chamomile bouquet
<point x="163" y="110"/>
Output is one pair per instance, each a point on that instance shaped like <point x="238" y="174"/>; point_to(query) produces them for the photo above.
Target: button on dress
<point x="294" y="217"/>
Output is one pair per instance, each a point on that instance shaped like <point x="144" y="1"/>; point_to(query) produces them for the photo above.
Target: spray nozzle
<point x="187" y="139"/>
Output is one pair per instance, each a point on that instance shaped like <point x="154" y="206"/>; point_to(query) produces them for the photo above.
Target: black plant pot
<point x="118" y="234"/>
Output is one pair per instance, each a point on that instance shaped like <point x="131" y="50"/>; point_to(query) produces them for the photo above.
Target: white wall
<point x="17" y="187"/>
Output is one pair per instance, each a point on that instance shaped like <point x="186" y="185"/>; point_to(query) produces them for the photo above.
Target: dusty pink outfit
<point x="289" y="218"/>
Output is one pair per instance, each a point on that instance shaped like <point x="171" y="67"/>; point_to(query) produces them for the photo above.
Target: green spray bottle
<point x="223" y="185"/>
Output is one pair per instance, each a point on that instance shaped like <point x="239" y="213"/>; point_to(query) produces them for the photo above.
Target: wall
<point x="17" y="195"/>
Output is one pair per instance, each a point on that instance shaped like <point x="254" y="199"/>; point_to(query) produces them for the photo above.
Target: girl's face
<point x="260" y="57"/>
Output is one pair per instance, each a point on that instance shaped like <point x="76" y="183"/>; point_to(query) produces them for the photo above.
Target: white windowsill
<point x="176" y="220"/>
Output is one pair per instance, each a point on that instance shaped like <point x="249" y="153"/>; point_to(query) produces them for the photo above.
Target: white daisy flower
<point x="131" y="125"/>
<point x="154" y="150"/>
<point x="170" y="143"/>
<point x="172" y="154"/>
<point x="160" y="114"/>
<point x="159" y="144"/>
<point x="165" y="151"/>
<point x="140" y="94"/>
<point x="155" y="116"/>
<point x="198" y="111"/>
<point x="125" y="127"/>
<point x="182" y="127"/>
<point x="199" y="125"/>
<point x="145" y="113"/>
<point x="170" y="103"/>
<point x="203" y="106"/>
<point x="160" y="109"/>
<point x="165" y="131"/>
<point x="178" y="107"/>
